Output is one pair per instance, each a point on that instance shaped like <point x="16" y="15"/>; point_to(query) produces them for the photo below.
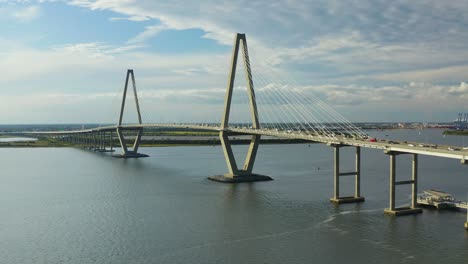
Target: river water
<point x="17" y="139"/>
<point x="65" y="205"/>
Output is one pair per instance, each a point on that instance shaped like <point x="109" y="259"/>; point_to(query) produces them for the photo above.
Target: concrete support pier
<point x="245" y="174"/>
<point x="102" y="143"/>
<point x="393" y="210"/>
<point x="236" y="175"/>
<point x="357" y="198"/>
<point x="228" y="178"/>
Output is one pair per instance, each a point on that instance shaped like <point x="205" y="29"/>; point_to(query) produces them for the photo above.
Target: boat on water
<point x="440" y="200"/>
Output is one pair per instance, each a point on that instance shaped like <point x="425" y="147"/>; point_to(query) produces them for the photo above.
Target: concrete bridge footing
<point x="127" y="152"/>
<point x="227" y="178"/>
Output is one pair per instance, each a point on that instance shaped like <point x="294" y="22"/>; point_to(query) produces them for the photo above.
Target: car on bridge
<point x="453" y="149"/>
<point x="372" y="140"/>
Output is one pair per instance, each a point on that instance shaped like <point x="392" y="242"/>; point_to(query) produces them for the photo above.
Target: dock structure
<point x="440" y="200"/>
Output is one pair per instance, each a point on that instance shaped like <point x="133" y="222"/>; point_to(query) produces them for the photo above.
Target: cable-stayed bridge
<point x="284" y="112"/>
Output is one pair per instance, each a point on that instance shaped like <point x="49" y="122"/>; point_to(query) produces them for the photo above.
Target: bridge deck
<point x="452" y="152"/>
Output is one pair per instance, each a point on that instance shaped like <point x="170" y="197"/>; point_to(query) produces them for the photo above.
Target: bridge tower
<point x="235" y="173"/>
<point x="126" y="151"/>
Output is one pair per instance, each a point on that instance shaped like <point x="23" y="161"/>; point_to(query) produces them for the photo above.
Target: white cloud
<point x="442" y="74"/>
<point x="131" y="18"/>
<point x="95" y="49"/>
<point x="385" y="96"/>
<point x="365" y="54"/>
<point x="206" y="104"/>
<point x="85" y="64"/>
<point x="149" y="32"/>
<point x="27" y="14"/>
<point x="365" y="38"/>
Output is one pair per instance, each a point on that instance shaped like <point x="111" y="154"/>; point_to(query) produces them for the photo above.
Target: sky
<point x="370" y="60"/>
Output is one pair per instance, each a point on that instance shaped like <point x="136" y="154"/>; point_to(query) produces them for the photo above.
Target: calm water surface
<point x="69" y="205"/>
<point x="17" y="139"/>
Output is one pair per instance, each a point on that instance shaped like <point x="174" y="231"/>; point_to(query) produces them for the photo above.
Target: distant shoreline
<point x="46" y="142"/>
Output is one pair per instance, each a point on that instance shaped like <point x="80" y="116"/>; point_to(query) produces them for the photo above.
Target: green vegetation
<point x="456" y="132"/>
<point x="40" y="143"/>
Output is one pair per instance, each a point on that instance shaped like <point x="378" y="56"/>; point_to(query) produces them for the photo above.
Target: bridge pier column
<point x="412" y="209"/>
<point x="87" y="141"/>
<point x="95" y="141"/>
<point x="90" y="141"/>
<point x="99" y="136"/>
<point x="99" y="147"/>
<point x="357" y="198"/>
<point x="111" y="143"/>
<point x="103" y="142"/>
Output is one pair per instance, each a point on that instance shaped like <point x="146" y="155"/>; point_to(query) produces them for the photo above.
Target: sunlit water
<point x="17" y="139"/>
<point x="65" y="205"/>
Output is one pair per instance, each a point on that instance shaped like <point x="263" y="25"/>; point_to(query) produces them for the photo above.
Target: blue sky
<point x="65" y="61"/>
